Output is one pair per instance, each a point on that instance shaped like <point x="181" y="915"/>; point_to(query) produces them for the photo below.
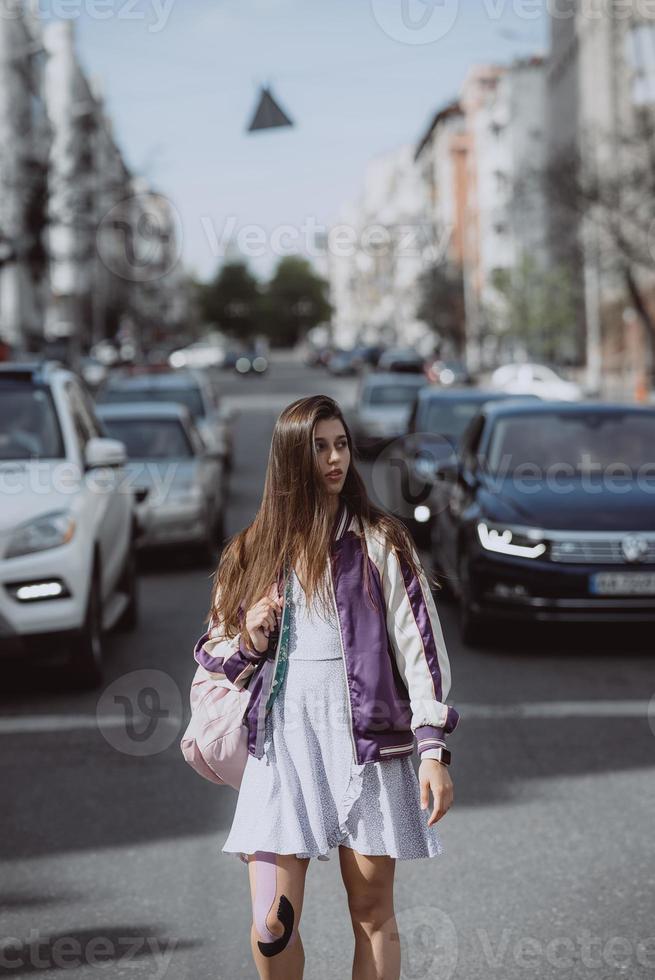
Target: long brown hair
<point x="294" y="520"/>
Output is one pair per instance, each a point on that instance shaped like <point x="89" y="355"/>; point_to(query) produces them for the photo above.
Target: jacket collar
<point x="341" y="520"/>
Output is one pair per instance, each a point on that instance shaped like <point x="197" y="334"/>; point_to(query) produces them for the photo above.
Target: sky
<point x="358" y="77"/>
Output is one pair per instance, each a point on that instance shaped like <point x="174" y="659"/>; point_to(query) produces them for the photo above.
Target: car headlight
<point x="425" y="467"/>
<point x="47" y="531"/>
<point x="506" y="541"/>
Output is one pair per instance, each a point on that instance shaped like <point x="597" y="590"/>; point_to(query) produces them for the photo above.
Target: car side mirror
<point x="101" y="452"/>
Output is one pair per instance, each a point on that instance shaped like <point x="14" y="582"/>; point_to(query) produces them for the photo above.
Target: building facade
<point x="379" y="247"/>
<point x="601" y="83"/>
<point x="24" y="148"/>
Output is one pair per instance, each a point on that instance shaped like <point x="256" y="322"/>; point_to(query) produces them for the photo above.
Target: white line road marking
<point x="27" y="724"/>
<point x="559" y="709"/>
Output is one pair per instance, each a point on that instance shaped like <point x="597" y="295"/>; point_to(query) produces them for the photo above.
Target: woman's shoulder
<point x="377" y="538"/>
<point x="380" y="541"/>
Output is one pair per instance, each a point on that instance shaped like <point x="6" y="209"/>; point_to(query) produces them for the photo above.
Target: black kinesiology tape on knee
<point x="285" y="916"/>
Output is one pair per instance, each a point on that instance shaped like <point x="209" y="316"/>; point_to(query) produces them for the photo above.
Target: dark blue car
<point x="548" y="513"/>
<point x="438" y="420"/>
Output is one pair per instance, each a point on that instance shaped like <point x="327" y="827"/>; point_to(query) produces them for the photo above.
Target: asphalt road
<point x="110" y="845"/>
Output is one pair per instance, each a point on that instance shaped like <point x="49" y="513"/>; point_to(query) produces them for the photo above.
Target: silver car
<point x="194" y="388"/>
<point x="384" y="404"/>
<point x="179" y="482"/>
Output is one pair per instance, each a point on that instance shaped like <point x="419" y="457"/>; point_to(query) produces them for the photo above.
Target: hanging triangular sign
<point x="268" y="114"/>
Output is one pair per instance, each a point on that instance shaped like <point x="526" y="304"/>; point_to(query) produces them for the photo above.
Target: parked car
<point x="93" y="372"/>
<point x="549" y="515"/>
<point x="383" y="405"/>
<point x="401" y="359"/>
<point x="344" y="362"/>
<point x="179" y="483"/>
<point x="193" y="388"/>
<point x="199" y="354"/>
<point x="448" y="372"/>
<point x="534" y="379"/>
<point x="67" y="522"/>
<point x="438" y="419"/>
<point x="251" y="362"/>
<point x="368" y="355"/>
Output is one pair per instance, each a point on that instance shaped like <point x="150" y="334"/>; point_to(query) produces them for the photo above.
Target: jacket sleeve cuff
<point x="241" y="664"/>
<point x="431" y="736"/>
<point x="237" y="666"/>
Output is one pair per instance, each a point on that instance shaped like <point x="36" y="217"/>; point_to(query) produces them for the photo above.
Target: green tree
<point x="232" y="301"/>
<point x="537" y="308"/>
<point x="295" y="300"/>
<point x="441" y="304"/>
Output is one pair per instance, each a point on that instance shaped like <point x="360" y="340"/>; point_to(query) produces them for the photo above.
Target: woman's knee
<point x="369" y="886"/>
<point x="278" y="889"/>
<point x="370" y="905"/>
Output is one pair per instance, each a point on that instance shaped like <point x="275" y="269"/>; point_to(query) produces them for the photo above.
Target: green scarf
<point x="283" y="657"/>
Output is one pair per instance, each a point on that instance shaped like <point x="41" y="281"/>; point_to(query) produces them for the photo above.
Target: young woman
<point x="322" y="608"/>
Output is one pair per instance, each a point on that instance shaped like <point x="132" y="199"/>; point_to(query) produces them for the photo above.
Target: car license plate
<point x="622" y="583"/>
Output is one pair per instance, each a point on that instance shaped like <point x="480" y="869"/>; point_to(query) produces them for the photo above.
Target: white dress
<point x="307" y="794"/>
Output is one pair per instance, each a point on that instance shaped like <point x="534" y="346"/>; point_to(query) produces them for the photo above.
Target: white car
<point x="67" y="522"/>
<point x="200" y="354"/>
<point x="179" y="482"/>
<point x="534" y="379"/>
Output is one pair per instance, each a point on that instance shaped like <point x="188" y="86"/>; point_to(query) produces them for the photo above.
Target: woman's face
<point x="332" y="453"/>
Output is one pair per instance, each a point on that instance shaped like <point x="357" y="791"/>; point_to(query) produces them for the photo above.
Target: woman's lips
<point x="333" y="476"/>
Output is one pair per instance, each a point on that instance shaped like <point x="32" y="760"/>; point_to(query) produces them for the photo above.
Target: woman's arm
<point x="418" y="644"/>
<point x="232" y="658"/>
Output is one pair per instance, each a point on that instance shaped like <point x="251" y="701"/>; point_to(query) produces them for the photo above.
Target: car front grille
<point x="601" y="550"/>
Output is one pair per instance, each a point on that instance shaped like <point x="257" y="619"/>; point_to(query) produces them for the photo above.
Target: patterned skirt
<point x="307" y="795"/>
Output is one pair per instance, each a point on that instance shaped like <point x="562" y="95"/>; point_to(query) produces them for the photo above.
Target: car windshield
<point x="151" y="438"/>
<point x="184" y="396"/>
<point x="396" y="394"/>
<point x="581" y="443"/>
<point x="447" y="417"/>
<point x="29" y="428"/>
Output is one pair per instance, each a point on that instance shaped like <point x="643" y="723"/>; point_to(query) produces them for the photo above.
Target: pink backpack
<point x="215" y="743"/>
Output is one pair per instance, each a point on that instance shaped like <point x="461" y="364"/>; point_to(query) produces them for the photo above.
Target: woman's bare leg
<point x="277" y="889"/>
<point x="369" y="884"/>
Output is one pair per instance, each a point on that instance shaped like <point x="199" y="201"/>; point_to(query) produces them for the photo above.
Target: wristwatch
<point x="441" y="754"/>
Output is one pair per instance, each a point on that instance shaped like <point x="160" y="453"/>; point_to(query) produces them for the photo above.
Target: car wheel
<point x="86" y="656"/>
<point x="471" y="624"/>
<point x="129" y="619"/>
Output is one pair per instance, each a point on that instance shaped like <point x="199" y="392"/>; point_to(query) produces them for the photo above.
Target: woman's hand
<point x="260" y="620"/>
<point x="433" y="775"/>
